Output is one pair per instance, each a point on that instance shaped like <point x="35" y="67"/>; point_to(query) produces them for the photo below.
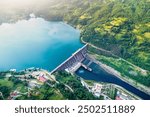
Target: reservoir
<point x="100" y="75"/>
<point x="43" y="44"/>
<point x="36" y="43"/>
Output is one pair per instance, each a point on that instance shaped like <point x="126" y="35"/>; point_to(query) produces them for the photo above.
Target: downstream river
<point x="100" y="75"/>
<point x="36" y="43"/>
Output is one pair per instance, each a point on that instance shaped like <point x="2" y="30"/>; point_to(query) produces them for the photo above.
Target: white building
<point x="97" y="89"/>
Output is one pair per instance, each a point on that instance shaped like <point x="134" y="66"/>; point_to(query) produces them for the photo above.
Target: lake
<point x="36" y="43"/>
<point x="43" y="44"/>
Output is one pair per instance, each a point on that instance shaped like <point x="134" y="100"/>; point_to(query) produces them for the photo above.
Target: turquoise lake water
<point x="36" y="43"/>
<point x="42" y="44"/>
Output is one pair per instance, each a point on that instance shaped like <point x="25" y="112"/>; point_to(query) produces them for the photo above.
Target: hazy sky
<point x="17" y="2"/>
<point x="20" y="3"/>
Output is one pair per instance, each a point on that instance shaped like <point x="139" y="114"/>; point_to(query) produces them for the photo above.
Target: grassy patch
<point x="6" y="83"/>
<point x="118" y="21"/>
<point x="126" y="69"/>
<point x="147" y="35"/>
<point x="90" y="82"/>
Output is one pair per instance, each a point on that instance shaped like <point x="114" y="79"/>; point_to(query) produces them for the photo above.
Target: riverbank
<point x="114" y="72"/>
<point x="128" y="95"/>
<point x="117" y="73"/>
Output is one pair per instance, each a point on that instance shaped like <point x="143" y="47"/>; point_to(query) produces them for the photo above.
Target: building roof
<point x="42" y="79"/>
<point x="118" y="98"/>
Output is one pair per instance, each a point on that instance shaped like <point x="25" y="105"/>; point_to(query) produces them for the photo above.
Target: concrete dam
<point x="74" y="61"/>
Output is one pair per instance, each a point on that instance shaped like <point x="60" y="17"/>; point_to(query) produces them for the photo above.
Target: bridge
<point x="73" y="62"/>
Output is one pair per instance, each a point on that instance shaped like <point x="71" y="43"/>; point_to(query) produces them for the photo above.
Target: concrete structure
<point x="122" y="96"/>
<point x="97" y="89"/>
<point x="12" y="70"/>
<point x="73" y="62"/>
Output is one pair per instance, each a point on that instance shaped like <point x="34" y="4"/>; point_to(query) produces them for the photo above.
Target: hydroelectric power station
<point x="74" y="61"/>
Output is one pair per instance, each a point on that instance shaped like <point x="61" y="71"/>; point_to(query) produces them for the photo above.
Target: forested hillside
<point x="120" y="26"/>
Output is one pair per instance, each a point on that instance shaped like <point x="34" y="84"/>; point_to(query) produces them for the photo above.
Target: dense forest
<point x="120" y="26"/>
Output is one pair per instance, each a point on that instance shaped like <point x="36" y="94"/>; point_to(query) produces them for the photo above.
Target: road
<point x="101" y="49"/>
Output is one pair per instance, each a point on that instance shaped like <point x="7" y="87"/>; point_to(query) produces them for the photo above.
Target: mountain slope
<point x="120" y="26"/>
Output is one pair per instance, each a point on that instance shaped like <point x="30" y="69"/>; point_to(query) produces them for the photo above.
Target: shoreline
<point x="114" y="72"/>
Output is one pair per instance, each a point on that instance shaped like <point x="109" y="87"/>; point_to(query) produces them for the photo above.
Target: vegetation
<point x="110" y="91"/>
<point x="78" y="91"/>
<point x="45" y="92"/>
<point x="10" y="83"/>
<point x="126" y="69"/>
<point x="120" y="26"/>
<point x="66" y="87"/>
